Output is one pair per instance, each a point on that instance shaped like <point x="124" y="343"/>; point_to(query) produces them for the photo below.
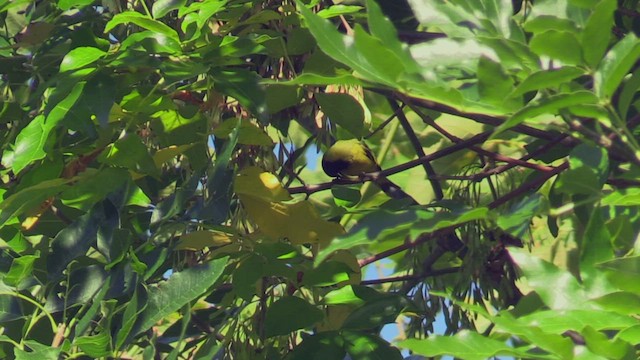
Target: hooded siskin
<point x="348" y="158"/>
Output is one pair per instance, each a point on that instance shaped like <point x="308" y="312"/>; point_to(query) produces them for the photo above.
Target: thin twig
<point x="437" y="272"/>
<point x="310" y="189"/>
<point x="417" y="147"/>
<point x="529" y="186"/>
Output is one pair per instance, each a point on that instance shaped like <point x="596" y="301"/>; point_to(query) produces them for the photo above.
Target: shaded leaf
<point x="198" y="240"/>
<point x="344" y="110"/>
<point x="382" y="225"/>
<point x="244" y="86"/>
<point x="278" y="319"/>
<point x="549" y="105"/>
<point x="181" y="287"/>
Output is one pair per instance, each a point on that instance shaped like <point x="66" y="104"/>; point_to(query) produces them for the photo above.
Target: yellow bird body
<point x="349" y="158"/>
<point x="354" y="158"/>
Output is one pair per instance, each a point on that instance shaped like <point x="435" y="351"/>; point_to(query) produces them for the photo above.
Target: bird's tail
<point x="392" y="190"/>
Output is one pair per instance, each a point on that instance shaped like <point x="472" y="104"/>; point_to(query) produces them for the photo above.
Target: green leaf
<point x="372" y="54"/>
<point x="382" y="225"/>
<point x="494" y="84"/>
<point x="30" y="142"/>
<point x="628" y="93"/>
<point x="161" y="8"/>
<point x="21" y="268"/>
<point x="337" y="10"/>
<point x="558" y="288"/>
<point x="594" y="40"/>
<point x="596" y="246"/>
<point x="205" y="9"/>
<point x="600" y="344"/>
<point x="68" y="4"/>
<point x="630" y="335"/>
<point x="622" y="197"/>
<point x="382" y="28"/>
<point x="95" y="346"/>
<point x="278" y="320"/>
<point x="76" y="239"/>
<point x="340" y="47"/>
<point x="588" y="171"/>
<point x="308" y="78"/>
<point x="559" y="321"/>
<point x="517" y="220"/>
<point x="623" y="272"/>
<point x="135" y="306"/>
<point x="280" y="97"/>
<point x="346" y="195"/>
<point x="466" y="345"/>
<point x="61" y="103"/>
<point x="220" y="179"/>
<point x="246" y="275"/>
<point x="38" y="352"/>
<point x="129" y="152"/>
<point x="98" y="97"/>
<point x="142" y="21"/>
<point x="546" y="79"/>
<point x="559" y="45"/>
<point x="80" y="57"/>
<point x="622" y="302"/>
<point x="322" y="345"/>
<point x="181" y="287"/>
<point x="88" y="318"/>
<point x="363" y="346"/>
<point x="549" y="105"/>
<point x="248" y="133"/>
<point x="351" y="294"/>
<point x="198" y="240"/>
<point x="553" y="343"/>
<point x="615" y="66"/>
<point x="344" y="110"/>
<point x="328" y="273"/>
<point x="93" y="186"/>
<point x="244" y="86"/>
<point x="544" y="23"/>
<point x="30" y="197"/>
<point x="151" y="42"/>
<point x="376" y="312"/>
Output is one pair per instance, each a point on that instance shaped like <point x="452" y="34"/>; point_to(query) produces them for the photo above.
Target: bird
<point x="349" y="158"/>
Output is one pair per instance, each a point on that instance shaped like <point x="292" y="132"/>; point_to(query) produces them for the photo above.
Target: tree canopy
<point x="162" y="194"/>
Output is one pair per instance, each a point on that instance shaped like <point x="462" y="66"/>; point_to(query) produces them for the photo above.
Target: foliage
<point x="161" y="195"/>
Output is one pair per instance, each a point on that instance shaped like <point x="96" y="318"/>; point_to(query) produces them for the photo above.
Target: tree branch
<point x="417" y="147"/>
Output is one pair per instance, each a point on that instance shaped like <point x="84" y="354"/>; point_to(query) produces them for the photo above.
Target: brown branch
<point x="477" y="149"/>
<point x="431" y="259"/>
<point x="481" y="118"/>
<point x="385" y="123"/>
<point x="411" y="277"/>
<point x="310" y="189"/>
<point x="417" y="147"/>
<point x="407" y="245"/>
<point x="532" y="185"/>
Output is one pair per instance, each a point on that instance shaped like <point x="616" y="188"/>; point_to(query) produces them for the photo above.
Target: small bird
<point x="354" y="158"/>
